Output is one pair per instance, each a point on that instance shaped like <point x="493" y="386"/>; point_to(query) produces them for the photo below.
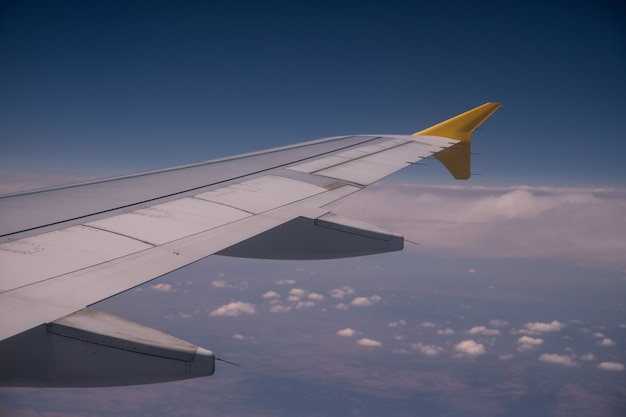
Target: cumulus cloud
<point x="304" y="304"/>
<point x="484" y="331"/>
<point x="162" y="287"/>
<point x="611" y="366"/>
<point x="570" y="224"/>
<point x="348" y="332"/>
<point x="528" y="343"/>
<point x="280" y="309"/>
<point x="297" y="292"/>
<point x="530" y="340"/>
<point x="271" y="294"/>
<point x="606" y="342"/>
<point x="341" y="292"/>
<point x="369" y="342"/>
<point x="316" y="296"/>
<point x="427" y="324"/>
<point x="498" y="323"/>
<point x="234" y="309"/>
<point x="218" y="283"/>
<point x="429" y="350"/>
<point x="470" y="348"/>
<point x="365" y="301"/>
<point x="397" y="323"/>
<point x="538" y="327"/>
<point x="239" y="337"/>
<point x="557" y="359"/>
<point x="445" y="331"/>
<point x="588" y="357"/>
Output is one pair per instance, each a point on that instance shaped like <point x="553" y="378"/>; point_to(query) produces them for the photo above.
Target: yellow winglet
<point x="457" y="157"/>
<point x="461" y="127"/>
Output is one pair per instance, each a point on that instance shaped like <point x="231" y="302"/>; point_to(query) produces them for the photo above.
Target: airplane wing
<point x="65" y="248"/>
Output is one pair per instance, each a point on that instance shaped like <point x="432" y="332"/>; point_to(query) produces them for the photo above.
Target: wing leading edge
<point x="82" y="243"/>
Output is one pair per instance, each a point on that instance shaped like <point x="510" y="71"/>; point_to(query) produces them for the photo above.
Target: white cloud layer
<point x="234" y="309"/>
<point x="579" y="225"/>
<point x="557" y="359"/>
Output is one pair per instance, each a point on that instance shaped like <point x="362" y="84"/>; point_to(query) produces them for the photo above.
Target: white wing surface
<point x="65" y="248"/>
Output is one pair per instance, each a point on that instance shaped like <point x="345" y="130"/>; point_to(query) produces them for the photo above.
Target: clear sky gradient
<point x="513" y="302"/>
<point x="106" y="87"/>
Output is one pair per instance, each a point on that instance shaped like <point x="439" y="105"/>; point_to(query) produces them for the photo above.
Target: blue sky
<point x="513" y="302"/>
<point x="107" y="87"/>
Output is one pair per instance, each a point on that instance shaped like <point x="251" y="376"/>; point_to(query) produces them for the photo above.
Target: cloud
<point x="304" y="304"/>
<point x="606" y="342"/>
<point x="484" y="331"/>
<point x="364" y="301"/>
<point x="397" y="323"/>
<point x="611" y="366"/>
<point x="162" y="287"/>
<point x="297" y="292"/>
<point x="445" y="332"/>
<point x="530" y="340"/>
<point x="218" y="283"/>
<point x="557" y="359"/>
<point x="427" y="324"/>
<point x="470" y="348"/>
<point x="271" y="294"/>
<point x="285" y="282"/>
<point x="179" y="315"/>
<point x="341" y="292"/>
<point x="280" y="309"/>
<point x="528" y="343"/>
<point x="571" y="224"/>
<point x="348" y="332"/>
<point x="506" y="357"/>
<point x="588" y="357"/>
<point x="316" y="296"/>
<point x="429" y="350"/>
<point x="369" y="342"/>
<point x="234" y="309"/>
<point x="498" y="323"/>
<point x="239" y="337"/>
<point x="538" y="327"/>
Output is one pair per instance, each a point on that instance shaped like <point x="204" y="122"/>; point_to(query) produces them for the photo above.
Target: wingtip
<point x="461" y="127"/>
